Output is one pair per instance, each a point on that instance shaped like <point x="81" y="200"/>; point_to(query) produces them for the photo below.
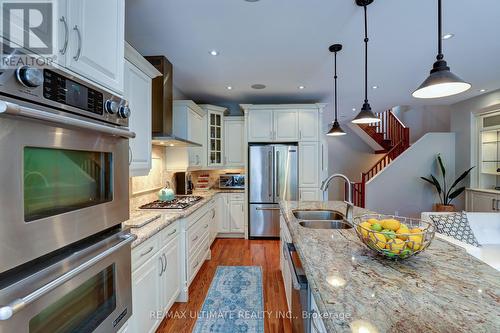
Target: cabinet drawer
<point x="145" y="251"/>
<point x="196" y="232"/>
<point x="236" y="197"/>
<point x="198" y="258"/>
<point x="169" y="233"/>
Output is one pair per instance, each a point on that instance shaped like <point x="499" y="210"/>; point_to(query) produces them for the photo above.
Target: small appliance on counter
<point x="166" y="193"/>
<point x="232" y="181"/>
<point x="183" y="183"/>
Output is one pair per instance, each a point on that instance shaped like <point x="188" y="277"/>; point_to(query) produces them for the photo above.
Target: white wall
<point x="462" y="123"/>
<point x="424" y="119"/>
<point x="398" y="188"/>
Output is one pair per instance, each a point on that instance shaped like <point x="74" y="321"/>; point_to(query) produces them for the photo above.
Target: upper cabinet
<point x="138" y="74"/>
<point x="215" y="129"/>
<point x="234" y="141"/>
<point x="283" y="123"/>
<point x="91" y="40"/>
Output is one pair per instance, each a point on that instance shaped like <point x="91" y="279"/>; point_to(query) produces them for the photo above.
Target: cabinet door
<point x="309" y="161"/>
<point x="310" y="194"/>
<point x="137" y="91"/>
<point x="213" y="223"/>
<point x="215" y="138"/>
<point x="234" y="143"/>
<point x="482" y="202"/>
<point x="286" y="124"/>
<point x="171" y="282"/>
<point x="96" y="42"/>
<point x="260" y="126"/>
<point x="222" y="213"/>
<point x="146" y="298"/>
<point x="308" y="125"/>
<point x="195" y="133"/>
<point x="237" y="216"/>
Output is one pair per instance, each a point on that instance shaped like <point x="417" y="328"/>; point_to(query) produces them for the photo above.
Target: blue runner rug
<point x="235" y="302"/>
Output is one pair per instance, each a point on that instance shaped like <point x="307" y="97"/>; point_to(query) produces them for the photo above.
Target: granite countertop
<point x="443" y="289"/>
<point x="145" y="223"/>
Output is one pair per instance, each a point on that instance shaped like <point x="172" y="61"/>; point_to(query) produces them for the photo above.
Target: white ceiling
<point x="284" y="44"/>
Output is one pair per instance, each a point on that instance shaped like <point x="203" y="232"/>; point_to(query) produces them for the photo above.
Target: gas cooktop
<point x="180" y="202"/>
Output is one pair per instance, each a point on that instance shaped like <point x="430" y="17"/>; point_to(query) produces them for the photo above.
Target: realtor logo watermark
<point x="27" y="30"/>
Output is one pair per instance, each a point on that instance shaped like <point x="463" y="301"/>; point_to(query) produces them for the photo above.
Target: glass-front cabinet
<point x="489" y="152"/>
<point x="215" y="116"/>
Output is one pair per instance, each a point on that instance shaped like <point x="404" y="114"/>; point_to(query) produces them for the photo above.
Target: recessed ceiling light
<point x="229" y="88"/>
<point x="252" y="0"/>
<point x="374" y="87"/>
<point x="353" y="109"/>
<point x="301" y="87"/>
<point x="258" y="86"/>
<point x="448" y="36"/>
<point x="214" y="52"/>
<point x="482" y="90"/>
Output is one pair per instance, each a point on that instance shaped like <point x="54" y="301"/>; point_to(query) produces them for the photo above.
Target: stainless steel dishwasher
<point x="301" y="304"/>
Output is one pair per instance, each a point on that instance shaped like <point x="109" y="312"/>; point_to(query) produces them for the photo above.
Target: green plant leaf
<point x="436" y="183"/>
<point x="441" y="165"/>
<point x="456" y="193"/>
<point x="427" y="180"/>
<point x="459" y="179"/>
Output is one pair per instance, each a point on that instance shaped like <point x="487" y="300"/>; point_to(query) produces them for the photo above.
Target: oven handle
<point x="17" y="110"/>
<point x="6" y="312"/>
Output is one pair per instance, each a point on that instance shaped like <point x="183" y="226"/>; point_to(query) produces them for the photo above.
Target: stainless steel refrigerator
<point x="273" y="175"/>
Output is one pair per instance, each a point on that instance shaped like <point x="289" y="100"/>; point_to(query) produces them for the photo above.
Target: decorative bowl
<point x="390" y="238"/>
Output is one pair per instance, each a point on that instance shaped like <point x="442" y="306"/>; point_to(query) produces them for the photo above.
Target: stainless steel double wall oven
<point x="64" y="158"/>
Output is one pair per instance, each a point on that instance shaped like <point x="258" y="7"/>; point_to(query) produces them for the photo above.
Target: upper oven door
<point x="60" y="183"/>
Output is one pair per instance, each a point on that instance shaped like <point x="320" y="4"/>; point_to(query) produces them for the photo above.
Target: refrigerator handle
<point x="270" y="165"/>
<point x="277" y="174"/>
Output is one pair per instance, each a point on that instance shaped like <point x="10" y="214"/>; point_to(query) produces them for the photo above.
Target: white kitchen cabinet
<point x="482" y="201"/>
<point x="221" y="212"/>
<point x="146" y="296"/>
<point x="215" y="131"/>
<point x="310" y="194"/>
<point x="170" y="279"/>
<point x="260" y="126"/>
<point x="237" y="216"/>
<point x="285" y="265"/>
<point x="317" y="325"/>
<point x="309" y="125"/>
<point x="96" y="40"/>
<point x="212" y="209"/>
<point x="196" y="154"/>
<point x="309" y="164"/>
<point x="234" y="141"/>
<point x="286" y="125"/>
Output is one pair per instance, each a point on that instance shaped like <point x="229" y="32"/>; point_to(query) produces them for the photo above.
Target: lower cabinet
<point x="285" y="266"/>
<point x="155" y="279"/>
<point x="317" y="325"/>
<point x="231" y="209"/>
<point x="482" y="201"/>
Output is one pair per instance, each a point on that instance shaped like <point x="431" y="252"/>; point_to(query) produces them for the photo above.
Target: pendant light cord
<point x="440" y="32"/>
<point x="366" y="56"/>
<point x="335" y="83"/>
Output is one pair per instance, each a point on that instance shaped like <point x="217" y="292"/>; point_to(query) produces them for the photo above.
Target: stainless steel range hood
<point x="163" y="106"/>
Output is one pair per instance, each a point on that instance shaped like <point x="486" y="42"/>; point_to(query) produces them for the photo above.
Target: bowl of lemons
<point x="394" y="237"/>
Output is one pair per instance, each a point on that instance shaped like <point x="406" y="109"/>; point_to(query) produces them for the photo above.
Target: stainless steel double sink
<point x="321" y="219"/>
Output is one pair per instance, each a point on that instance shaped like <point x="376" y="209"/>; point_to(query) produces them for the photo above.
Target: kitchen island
<point x="443" y="289"/>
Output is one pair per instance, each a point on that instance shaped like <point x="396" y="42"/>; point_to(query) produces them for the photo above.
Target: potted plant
<point x="446" y="195"/>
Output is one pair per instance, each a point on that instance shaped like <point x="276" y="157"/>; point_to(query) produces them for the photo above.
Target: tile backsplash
<point x="143" y="189"/>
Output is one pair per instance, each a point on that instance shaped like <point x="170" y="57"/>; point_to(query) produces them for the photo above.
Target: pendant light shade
<point x="366" y="115"/>
<point x="336" y="130"/>
<point x="441" y="81"/>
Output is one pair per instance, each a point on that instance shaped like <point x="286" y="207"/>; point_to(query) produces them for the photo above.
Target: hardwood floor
<point x="236" y="252"/>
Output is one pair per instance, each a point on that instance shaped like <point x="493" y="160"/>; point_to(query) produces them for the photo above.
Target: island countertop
<point x="442" y="289"/>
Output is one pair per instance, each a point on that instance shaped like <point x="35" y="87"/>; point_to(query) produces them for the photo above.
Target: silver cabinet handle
<point x="79" y="51"/>
<point x="196" y="265"/>
<point x="166" y="262"/>
<point x="300" y="135"/>
<point x="259" y="208"/>
<point x="213" y="213"/>
<point x="130" y="156"/>
<point x="493" y="204"/>
<point x="148" y="251"/>
<point x="270" y="135"/>
<point x="162" y="268"/>
<point x="206" y="226"/>
<point x="63" y="49"/>
<point x="173" y="232"/>
<point x="194" y="239"/>
<point x="17" y="305"/>
<point x="496" y="206"/>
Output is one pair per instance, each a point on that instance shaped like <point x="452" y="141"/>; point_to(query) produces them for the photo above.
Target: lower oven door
<point x="63" y="179"/>
<point x="93" y="296"/>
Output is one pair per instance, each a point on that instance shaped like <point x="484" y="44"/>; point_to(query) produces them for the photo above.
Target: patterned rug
<point x="235" y="302"/>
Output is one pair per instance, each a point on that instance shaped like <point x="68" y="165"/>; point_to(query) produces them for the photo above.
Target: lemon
<point x="395" y="245"/>
<point x="391" y="224"/>
<point x="402" y="230"/>
<point x="362" y="228"/>
<point x="415" y="242"/>
<point x="416" y="230"/>
<point x="378" y="239"/>
<point x="376" y="227"/>
<point x="372" y="221"/>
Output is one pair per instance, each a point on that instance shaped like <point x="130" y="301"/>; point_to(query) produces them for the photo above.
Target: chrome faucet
<point x="348" y="201"/>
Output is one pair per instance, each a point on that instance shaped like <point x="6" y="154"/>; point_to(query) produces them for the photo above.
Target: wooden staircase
<point x="394" y="137"/>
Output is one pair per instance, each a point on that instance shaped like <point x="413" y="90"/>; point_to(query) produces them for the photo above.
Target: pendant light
<point x="336" y="130"/>
<point x="441" y="81"/>
<point x="365" y="116"/>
